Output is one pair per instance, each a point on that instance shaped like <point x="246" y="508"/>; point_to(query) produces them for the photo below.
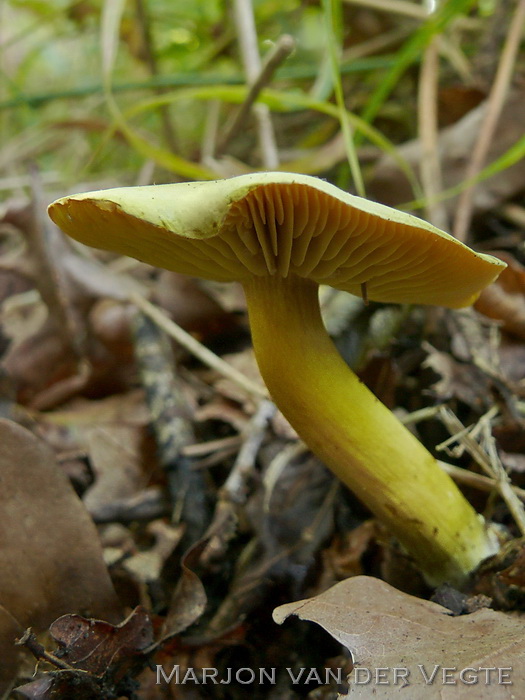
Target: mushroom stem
<point x="356" y="436"/>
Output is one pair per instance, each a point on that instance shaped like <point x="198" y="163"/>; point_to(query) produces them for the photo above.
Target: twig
<point x="235" y="489"/>
<point x="516" y="508"/>
<point x="149" y="504"/>
<point x="428" y="133"/>
<point x="172" y="427"/>
<point x="282" y="48"/>
<point x="419" y="415"/>
<point x="277" y="467"/>
<point x="495" y="104"/>
<point x="464" y="476"/>
<point x="197" y="349"/>
<point x="247" y="37"/>
<point x="488" y="460"/>
<point x="29" y="640"/>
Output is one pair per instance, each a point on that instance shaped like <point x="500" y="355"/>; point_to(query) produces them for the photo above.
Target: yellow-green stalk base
<point x="356" y="436"/>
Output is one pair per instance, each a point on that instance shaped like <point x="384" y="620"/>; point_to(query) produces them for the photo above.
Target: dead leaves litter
<point x="384" y="629"/>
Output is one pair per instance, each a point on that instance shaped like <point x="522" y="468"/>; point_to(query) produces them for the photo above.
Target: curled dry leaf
<point x="386" y="629"/>
<point x="97" y="646"/>
<point x="50" y="557"/>
<point x="189" y="597"/>
<point x="96" y="659"/>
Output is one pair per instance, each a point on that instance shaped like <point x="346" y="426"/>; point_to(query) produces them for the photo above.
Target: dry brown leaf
<point x="504" y="300"/>
<point x="50" y="557"/>
<point x="146" y="566"/>
<point x="385" y="629"/>
<point x="114" y="452"/>
<point x="460" y="380"/>
<point x="390" y="186"/>
<point x="128" y="409"/>
<point x="101" y="658"/>
<point x="192" y="307"/>
<point x="189" y="597"/>
<point x="244" y="362"/>
<point x="38" y="361"/>
<point x="9" y="654"/>
<point x="95" y="645"/>
<point x="455" y="101"/>
<point x="342" y="558"/>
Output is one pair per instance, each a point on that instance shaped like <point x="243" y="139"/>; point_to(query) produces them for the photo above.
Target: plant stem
<point x="356" y="436"/>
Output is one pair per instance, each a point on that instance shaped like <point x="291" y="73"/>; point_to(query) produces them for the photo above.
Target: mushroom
<point x="282" y="235"/>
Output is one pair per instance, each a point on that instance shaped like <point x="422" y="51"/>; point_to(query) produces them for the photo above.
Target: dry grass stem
<point x="197" y="349"/>
<point x="209" y="138"/>
<point x="428" y="132"/>
<point x="247" y="36"/>
<point x="487" y="458"/>
<point x="199" y="449"/>
<point x="477" y="481"/>
<point x="495" y="104"/>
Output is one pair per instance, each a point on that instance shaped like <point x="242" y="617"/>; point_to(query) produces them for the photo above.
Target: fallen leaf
<point x="115" y="455"/>
<point x="190" y="305"/>
<point x="389" y="184"/>
<point x="96" y="646"/>
<point x="146" y="566"/>
<point x="10" y="629"/>
<point x="455" y="101"/>
<point x="50" y="557"/>
<point x="459" y="380"/>
<point x="96" y="659"/>
<point x="384" y="629"/>
<point x="504" y="300"/>
<point x="189" y="597"/>
<point x="128" y="409"/>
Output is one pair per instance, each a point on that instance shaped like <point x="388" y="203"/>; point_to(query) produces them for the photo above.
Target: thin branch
<point x="247" y="37"/>
<point x="283" y="47"/>
<point x="235" y="489"/>
<point x="172" y="426"/>
<point x="486" y="135"/>
<point x="29" y="640"/>
<point x="488" y="459"/>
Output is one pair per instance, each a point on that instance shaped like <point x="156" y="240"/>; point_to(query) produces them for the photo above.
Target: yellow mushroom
<point x="281" y="235"/>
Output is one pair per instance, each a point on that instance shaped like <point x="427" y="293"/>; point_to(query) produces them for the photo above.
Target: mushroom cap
<point x="280" y="224"/>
